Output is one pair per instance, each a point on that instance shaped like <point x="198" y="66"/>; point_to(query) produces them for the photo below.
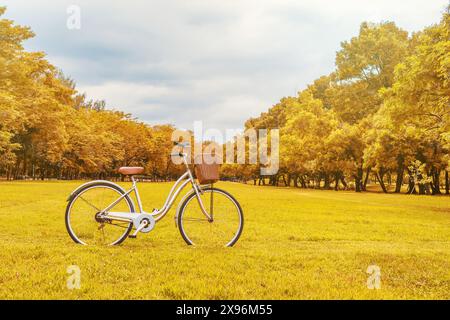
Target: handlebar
<point x="179" y="154"/>
<point x="181" y="144"/>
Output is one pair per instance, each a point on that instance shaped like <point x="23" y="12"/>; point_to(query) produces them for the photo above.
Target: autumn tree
<point x="420" y="99"/>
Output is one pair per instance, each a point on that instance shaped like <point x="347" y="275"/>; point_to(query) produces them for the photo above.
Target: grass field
<point x="297" y="244"/>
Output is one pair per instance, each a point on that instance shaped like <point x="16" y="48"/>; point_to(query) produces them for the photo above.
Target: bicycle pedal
<point x="132" y="236"/>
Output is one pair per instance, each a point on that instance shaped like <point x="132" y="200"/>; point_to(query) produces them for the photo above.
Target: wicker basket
<point x="206" y="173"/>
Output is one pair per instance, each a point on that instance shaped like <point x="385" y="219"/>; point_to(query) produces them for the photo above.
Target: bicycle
<point x="90" y="220"/>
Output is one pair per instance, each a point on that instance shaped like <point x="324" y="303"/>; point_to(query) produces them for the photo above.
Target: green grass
<point x="296" y="244"/>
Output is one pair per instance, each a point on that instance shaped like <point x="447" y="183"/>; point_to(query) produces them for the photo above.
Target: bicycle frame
<point x="179" y="185"/>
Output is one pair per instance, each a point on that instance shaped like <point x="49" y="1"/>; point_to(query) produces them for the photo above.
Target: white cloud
<point x="124" y="93"/>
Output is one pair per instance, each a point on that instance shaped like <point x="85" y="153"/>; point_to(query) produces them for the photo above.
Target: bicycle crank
<point x="143" y="223"/>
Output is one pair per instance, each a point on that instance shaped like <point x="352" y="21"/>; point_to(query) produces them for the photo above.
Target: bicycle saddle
<point x="131" y="170"/>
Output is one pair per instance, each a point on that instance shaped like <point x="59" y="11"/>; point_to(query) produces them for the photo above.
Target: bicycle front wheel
<point x="225" y="227"/>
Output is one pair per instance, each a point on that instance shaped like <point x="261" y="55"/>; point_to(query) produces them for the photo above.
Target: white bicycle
<point x="102" y="212"/>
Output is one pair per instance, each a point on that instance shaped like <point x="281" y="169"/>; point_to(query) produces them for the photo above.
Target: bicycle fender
<point x="77" y="190"/>
<point x="177" y="212"/>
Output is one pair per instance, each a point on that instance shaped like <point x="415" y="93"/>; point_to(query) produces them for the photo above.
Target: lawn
<point x="296" y="244"/>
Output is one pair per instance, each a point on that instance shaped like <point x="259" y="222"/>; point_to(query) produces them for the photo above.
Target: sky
<point x="219" y="62"/>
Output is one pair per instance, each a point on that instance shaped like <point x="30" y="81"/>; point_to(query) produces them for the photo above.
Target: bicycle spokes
<point x="87" y="223"/>
<point x="223" y="228"/>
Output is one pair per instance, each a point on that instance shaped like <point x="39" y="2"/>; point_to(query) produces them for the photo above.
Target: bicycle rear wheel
<point x="83" y="222"/>
<point x="226" y="225"/>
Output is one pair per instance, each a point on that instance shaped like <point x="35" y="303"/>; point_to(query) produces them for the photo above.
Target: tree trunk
<point x="399" y="180"/>
<point x="358" y="179"/>
<point x="336" y="179"/>
<point x="436" y="185"/>
<point x="447" y="183"/>
<point x="380" y="176"/>
<point x="33" y="165"/>
<point x="43" y="172"/>
<point x="327" y="182"/>
<point x="357" y="184"/>
<point x="319" y="180"/>
<point x="422" y="188"/>
<point x="344" y="182"/>
<point x="364" y="186"/>
<point x="274" y="180"/>
<point x="16" y="170"/>
<point x="25" y="163"/>
<point x="302" y="182"/>
<point x="411" y="185"/>
<point x="285" y="181"/>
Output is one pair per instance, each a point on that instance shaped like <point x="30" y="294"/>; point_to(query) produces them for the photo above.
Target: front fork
<point x="199" y="192"/>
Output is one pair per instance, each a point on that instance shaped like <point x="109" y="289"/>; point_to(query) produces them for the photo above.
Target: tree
<point x="302" y="139"/>
<point x="420" y="97"/>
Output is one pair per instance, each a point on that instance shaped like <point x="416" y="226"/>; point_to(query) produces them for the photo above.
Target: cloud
<point x="123" y="93"/>
<point x="218" y="61"/>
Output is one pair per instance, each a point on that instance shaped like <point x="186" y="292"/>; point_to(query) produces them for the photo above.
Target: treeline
<point x="48" y="130"/>
<point x="383" y="116"/>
